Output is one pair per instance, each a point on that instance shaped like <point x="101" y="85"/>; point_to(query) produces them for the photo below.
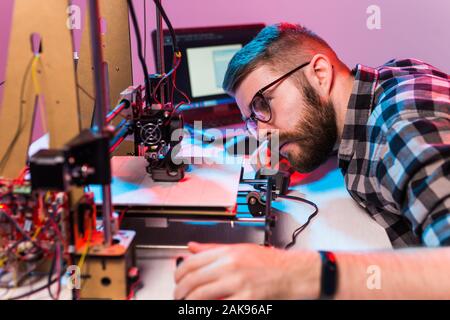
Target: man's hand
<point x="247" y="271"/>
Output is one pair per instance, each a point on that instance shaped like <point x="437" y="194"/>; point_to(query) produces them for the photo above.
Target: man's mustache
<point x="279" y="140"/>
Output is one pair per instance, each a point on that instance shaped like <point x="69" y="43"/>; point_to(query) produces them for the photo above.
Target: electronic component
<point x="47" y="223"/>
<point x="34" y="231"/>
<point x="88" y="158"/>
<point x="281" y="179"/>
<point x="105" y="271"/>
<point x="49" y="170"/>
<point x="156" y="134"/>
<point x="83" y="161"/>
<point x="256" y="205"/>
<point x="206" y="52"/>
<point x="157" y="126"/>
<point x="154" y="139"/>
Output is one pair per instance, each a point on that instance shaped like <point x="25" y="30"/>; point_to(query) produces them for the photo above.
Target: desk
<point x="340" y="225"/>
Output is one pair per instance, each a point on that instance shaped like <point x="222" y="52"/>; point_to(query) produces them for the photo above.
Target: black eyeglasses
<point x="260" y="107"/>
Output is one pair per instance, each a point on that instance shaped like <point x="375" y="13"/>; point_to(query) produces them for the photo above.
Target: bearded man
<point x="390" y="127"/>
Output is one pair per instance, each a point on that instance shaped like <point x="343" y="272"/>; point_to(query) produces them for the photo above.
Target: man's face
<point x="306" y="122"/>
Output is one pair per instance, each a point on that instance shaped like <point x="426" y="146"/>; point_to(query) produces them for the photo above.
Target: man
<point x="391" y="128"/>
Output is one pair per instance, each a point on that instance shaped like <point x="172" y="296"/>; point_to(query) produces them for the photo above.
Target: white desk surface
<point x="340" y="225"/>
<point x="131" y="185"/>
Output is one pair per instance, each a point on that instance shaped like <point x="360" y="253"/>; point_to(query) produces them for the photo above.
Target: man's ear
<point x="321" y="74"/>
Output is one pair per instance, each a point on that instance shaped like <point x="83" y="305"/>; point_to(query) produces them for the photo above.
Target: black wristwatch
<point x="329" y="275"/>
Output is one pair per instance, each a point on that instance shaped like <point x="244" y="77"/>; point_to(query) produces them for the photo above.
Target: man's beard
<point x="315" y="134"/>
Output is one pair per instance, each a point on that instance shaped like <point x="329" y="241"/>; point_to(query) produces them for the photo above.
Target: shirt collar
<point x="359" y="108"/>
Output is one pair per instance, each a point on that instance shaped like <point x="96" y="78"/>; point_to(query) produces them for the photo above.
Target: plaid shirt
<point x="395" y="150"/>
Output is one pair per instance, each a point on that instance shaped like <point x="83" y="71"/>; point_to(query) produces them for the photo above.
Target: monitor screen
<point x="207" y="67"/>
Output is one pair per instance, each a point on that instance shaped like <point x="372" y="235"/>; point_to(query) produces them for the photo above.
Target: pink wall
<point x="409" y="28"/>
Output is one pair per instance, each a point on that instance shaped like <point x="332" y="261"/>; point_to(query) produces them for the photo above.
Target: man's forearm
<point x="402" y="274"/>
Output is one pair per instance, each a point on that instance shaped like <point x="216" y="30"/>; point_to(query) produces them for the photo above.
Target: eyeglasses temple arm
<point x="282" y="77"/>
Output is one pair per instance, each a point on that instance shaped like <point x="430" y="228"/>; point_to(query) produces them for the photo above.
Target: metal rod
<point x="102" y="106"/>
<point x="116" y="144"/>
<point x="269" y="217"/>
<point x="149" y="246"/>
<point x="124" y="104"/>
<point x="106" y="212"/>
<point x="97" y="60"/>
<point x="254" y="181"/>
<point x="160" y="65"/>
<point x="122" y="131"/>
<point x="215" y="220"/>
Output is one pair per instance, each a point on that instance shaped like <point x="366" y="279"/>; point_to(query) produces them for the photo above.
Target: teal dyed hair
<point x="272" y="45"/>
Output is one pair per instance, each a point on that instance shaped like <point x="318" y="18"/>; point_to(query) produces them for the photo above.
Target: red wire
<point x="164" y="77"/>
<point x="113" y="148"/>
<point x="132" y="288"/>
<point x="58" y="271"/>
<point x="122" y="214"/>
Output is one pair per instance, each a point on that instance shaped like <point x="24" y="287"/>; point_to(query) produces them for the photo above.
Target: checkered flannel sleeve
<point x="419" y="183"/>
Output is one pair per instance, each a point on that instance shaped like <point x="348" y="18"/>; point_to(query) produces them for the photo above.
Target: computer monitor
<point x="206" y="53"/>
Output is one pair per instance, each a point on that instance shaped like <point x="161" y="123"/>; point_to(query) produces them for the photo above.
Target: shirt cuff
<point x="437" y="233"/>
